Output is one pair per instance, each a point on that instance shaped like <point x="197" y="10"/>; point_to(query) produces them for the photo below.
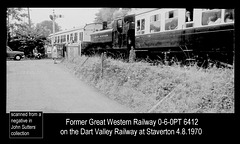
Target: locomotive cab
<point x="123" y="32"/>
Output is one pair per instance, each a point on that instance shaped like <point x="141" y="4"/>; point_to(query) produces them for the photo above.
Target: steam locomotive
<point x="182" y="34"/>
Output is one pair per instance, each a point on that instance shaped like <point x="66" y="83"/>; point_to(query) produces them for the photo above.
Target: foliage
<point x="27" y="41"/>
<point x="140" y="86"/>
<point x="14" y="13"/>
<point x="24" y="37"/>
<point x="105" y="14"/>
<point x="46" y="27"/>
<point x="14" y="16"/>
<point x="109" y="14"/>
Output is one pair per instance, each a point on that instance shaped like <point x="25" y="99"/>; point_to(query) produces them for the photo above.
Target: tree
<point x="25" y="37"/>
<point x="109" y="14"/>
<point x="105" y="14"/>
<point x="121" y="12"/>
<point x="14" y="16"/>
<point x="46" y="27"/>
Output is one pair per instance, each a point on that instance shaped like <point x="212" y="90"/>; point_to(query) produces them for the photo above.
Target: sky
<point x="73" y="17"/>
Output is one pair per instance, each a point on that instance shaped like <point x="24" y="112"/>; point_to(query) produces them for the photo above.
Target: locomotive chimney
<point x="104" y="25"/>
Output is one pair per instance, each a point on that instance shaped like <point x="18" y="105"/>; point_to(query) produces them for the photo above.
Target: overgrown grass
<point x="171" y="89"/>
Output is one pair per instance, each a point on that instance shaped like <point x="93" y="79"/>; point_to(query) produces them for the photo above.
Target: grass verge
<point x="159" y="89"/>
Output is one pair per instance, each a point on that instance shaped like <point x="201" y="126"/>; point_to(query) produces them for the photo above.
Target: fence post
<point x="166" y="58"/>
<point x="101" y="65"/>
<point x="102" y="61"/>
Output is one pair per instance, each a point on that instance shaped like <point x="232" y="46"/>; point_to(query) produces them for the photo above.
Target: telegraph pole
<point x="53" y="27"/>
<point x="53" y="18"/>
<point x="29" y="22"/>
<point x="8" y="27"/>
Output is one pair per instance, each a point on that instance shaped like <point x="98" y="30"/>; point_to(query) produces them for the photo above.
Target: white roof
<point x="69" y="30"/>
<point x="73" y="29"/>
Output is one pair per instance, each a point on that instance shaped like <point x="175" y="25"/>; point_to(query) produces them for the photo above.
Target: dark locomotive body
<point x="175" y="38"/>
<point x="119" y="38"/>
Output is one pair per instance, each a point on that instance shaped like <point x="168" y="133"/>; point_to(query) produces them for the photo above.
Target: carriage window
<point x="229" y="15"/>
<point x="188" y="18"/>
<point x="170" y="14"/>
<point x="67" y="38"/>
<point x="75" y="37"/>
<point x="81" y="36"/>
<point x="212" y="16"/>
<point x="155" y="23"/>
<point x="71" y="37"/>
<point x="140" y="26"/>
<point x="189" y="15"/>
<point x="171" y="20"/>
<point x="64" y="38"/>
<point x="143" y="24"/>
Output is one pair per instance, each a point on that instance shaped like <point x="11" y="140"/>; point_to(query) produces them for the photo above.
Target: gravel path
<point x="43" y="86"/>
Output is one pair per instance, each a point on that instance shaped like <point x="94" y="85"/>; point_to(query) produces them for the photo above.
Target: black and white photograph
<point x="113" y="60"/>
<point x="120" y="60"/>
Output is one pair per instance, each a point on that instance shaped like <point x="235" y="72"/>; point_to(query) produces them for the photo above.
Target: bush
<point x="141" y="86"/>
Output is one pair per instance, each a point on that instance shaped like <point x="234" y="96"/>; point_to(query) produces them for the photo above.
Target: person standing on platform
<point x="64" y="50"/>
<point x="54" y="53"/>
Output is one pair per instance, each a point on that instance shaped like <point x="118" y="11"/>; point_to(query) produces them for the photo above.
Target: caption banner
<point x="26" y="124"/>
<point x="131" y="127"/>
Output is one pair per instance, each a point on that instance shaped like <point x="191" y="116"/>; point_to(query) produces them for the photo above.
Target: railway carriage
<point x="167" y="33"/>
<point x="78" y="35"/>
<point x="186" y="34"/>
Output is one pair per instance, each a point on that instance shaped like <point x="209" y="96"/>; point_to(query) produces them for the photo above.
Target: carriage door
<point x="189" y="17"/>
